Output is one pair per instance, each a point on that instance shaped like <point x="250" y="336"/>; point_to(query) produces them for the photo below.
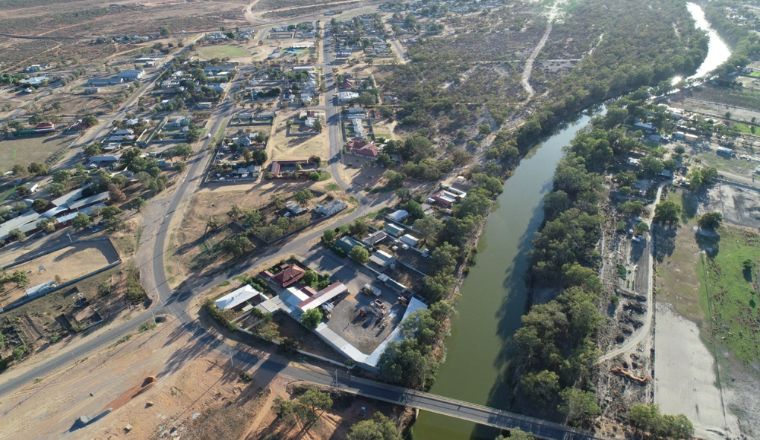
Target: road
<point x="528" y="69"/>
<point x="645" y="330"/>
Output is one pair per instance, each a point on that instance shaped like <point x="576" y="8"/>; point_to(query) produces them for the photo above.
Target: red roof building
<point x="289" y="275"/>
<point x="363" y="148"/>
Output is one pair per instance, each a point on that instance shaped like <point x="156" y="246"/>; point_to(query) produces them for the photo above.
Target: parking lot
<point x="360" y="322"/>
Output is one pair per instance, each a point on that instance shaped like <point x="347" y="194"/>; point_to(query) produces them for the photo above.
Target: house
<point x="360" y="147"/>
<point x="382" y="259"/>
<point x="330" y="208"/>
<point x="347" y="243"/>
<point x="264" y="117"/>
<point x="323" y="296"/>
<point x="444" y="198"/>
<point x="240" y="299"/>
<point x="105" y="159"/>
<point x="204" y="105"/>
<point x="44" y="127"/>
<point x="358" y="128"/>
<point x="106" y="81"/>
<point x="345" y="97"/>
<point x="393" y="230"/>
<point x="292" y="208"/>
<point x="131" y="75"/>
<point x="398" y="216"/>
<point x="410" y="240"/>
<point x="288" y="275"/>
<point x="375" y="238"/>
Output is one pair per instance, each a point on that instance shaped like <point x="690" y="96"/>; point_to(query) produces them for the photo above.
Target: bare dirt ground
<point x="685" y="381"/>
<point x="740" y="206"/>
<point x="64" y="265"/>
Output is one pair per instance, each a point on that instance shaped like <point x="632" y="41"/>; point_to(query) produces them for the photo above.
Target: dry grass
<point x="284" y="146"/>
<point x="34" y="149"/>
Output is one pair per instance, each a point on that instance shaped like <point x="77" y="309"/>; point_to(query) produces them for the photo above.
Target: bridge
<point x="343" y="381"/>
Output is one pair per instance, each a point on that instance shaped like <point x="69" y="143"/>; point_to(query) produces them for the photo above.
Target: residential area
<point x="356" y="219"/>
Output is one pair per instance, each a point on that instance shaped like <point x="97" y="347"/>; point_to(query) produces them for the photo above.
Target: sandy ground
<point x="63" y="265"/>
<point x="685" y="381"/>
<point x="190" y="380"/>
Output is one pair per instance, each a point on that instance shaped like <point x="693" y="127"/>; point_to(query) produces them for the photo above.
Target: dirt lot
<point x="63" y="265"/>
<point x="738" y="205"/>
<point x="287" y="144"/>
<point x="235" y="53"/>
<point x="34" y="149"/>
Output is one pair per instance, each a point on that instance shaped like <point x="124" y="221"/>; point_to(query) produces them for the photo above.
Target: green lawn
<point x="755" y="74"/>
<point x="221" y="51"/>
<point x="746" y="128"/>
<point x="730" y="296"/>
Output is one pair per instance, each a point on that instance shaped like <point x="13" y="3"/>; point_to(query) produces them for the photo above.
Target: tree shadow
<point x="663" y="240"/>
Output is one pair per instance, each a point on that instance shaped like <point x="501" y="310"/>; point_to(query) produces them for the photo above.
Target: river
<point x="494" y="293"/>
<point x="718" y="51"/>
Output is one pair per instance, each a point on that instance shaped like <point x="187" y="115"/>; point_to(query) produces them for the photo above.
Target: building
<point x="410" y="240"/>
<point x="330" y="208"/>
<point x="347" y="243"/>
<point x="288" y="275"/>
<point x="382" y="259"/>
<point x="375" y="238"/>
<point x="360" y="147"/>
<point x="242" y="299"/>
<point x="345" y="97"/>
<point x="393" y="230"/>
<point x="293" y="208"/>
<point x="398" y="216"/>
<point x="131" y="75"/>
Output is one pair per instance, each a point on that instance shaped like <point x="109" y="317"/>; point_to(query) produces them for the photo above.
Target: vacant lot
<point x="287" y="144"/>
<point x="221" y="51"/>
<point x="34" y="149"/>
<point x="63" y="265"/>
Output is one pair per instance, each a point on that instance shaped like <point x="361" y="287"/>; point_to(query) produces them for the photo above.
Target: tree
<point x="328" y="237"/>
<point x="37" y="169"/>
<point x="541" y="387"/>
<point x="640" y="228"/>
<point x="110" y="217"/>
<point x="393" y="179"/>
<point x="40" y="205"/>
<point x="311" y="318"/>
<point x="359" y="254"/>
<point x="578" y="406"/>
<point x="379" y="427"/>
<point x="17" y="234"/>
<point x="312" y="403"/>
<point x="516" y="434"/>
<point x="236" y="245"/>
<point x="710" y="220"/>
<point x="116" y="194"/>
<point x="303" y="196"/>
<point x="443" y="259"/>
<point x="429" y="227"/>
<point x="358" y="228"/>
<point x="92" y="150"/>
<point x="81" y="221"/>
<point x="414" y="209"/>
<point x="667" y="212"/>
